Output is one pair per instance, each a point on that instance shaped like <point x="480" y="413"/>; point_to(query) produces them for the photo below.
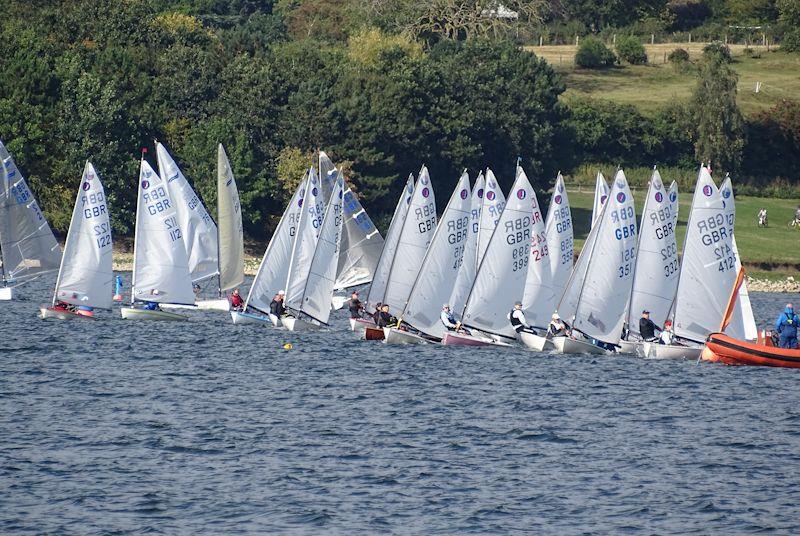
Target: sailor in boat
<point x="237" y="303"/>
<point x="355" y="306"/>
<point x="557" y="327"/>
<point x="151" y="305"/>
<point x="667" y="335"/>
<point x="377" y="314"/>
<point x="517" y="319"/>
<point x="276" y="306"/>
<point x="385" y="319"/>
<point x="196" y="289"/>
<point x="647" y="328"/>
<point x="64" y="306"/>
<point x="786" y="325"/>
<point x="449" y="321"/>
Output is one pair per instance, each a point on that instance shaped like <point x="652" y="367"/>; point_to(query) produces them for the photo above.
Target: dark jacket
<point x="277" y="308"/>
<point x="384" y="319"/>
<point x="355" y="306"/>
<point x="647" y="329"/>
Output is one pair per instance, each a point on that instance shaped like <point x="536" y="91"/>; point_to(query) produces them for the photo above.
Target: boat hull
<point x="462" y="339"/>
<point x="337" y="302"/>
<point x="360" y="324"/>
<point x="129" y="313"/>
<point x="653" y="350"/>
<point x="535" y="342"/>
<point x="565" y="345"/>
<point x="721" y="348"/>
<point x="7" y="293"/>
<point x="632" y="348"/>
<point x="220" y="304"/>
<point x="240" y="317"/>
<point x="374" y="334"/>
<point x="396" y="336"/>
<point x="60" y="314"/>
<point x="298" y="324"/>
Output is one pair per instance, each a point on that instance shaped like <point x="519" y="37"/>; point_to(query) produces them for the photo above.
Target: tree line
<point x="381" y="85"/>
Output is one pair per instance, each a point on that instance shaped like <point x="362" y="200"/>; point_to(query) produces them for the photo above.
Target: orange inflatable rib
<point x="721" y="348"/>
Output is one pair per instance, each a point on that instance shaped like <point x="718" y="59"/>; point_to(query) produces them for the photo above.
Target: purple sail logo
<point x="463" y="194"/>
<point x="603" y="199"/>
<point x="621" y="197"/>
<point x="314" y="191"/>
<point x="726" y="193"/>
<point x="490" y="195"/>
<point x="557" y="199"/>
<point x="86" y="186"/>
<point x="659" y="197"/>
<point x="145" y="184"/>
<point x="299" y="202"/>
<point x="480" y="193"/>
<point x="673" y="196"/>
<point x="707" y="190"/>
<point x="425" y="192"/>
<point x="521" y="193"/>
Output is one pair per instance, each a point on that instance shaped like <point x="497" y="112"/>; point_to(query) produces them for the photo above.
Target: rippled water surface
<point x="205" y="427"/>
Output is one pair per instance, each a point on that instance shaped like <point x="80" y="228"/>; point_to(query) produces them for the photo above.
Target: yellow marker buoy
<point x="287" y="346"/>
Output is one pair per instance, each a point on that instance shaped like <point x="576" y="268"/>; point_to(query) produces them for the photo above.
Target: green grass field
<point x="776" y="247"/>
<point x="648" y="87"/>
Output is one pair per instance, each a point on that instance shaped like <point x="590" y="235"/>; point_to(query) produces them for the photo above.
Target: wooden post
<point x="690" y="37"/>
<point x="726" y="39"/>
<point x="652" y="39"/>
<point x="614" y="39"/>
<point x="577" y="40"/>
<point x="764" y="39"/>
<point x="541" y="38"/>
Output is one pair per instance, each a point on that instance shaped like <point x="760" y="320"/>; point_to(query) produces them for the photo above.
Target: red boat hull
<point x="721" y="348"/>
<point x="373" y="334"/>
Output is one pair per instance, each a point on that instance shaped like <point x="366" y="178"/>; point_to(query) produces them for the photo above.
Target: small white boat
<point x="337" y="302"/>
<point x="131" y="313"/>
<point x="240" y="317"/>
<point x="535" y="342"/>
<point x="299" y="324"/>
<point x="221" y="304"/>
<point x="462" y="339"/>
<point x="396" y="336"/>
<point x="62" y="314"/>
<point x="360" y="324"/>
<point x="565" y="345"/>
<point x="7" y="293"/>
<point x="653" y="350"/>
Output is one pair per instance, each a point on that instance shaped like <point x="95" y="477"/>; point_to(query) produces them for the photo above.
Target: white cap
<point x="555" y="316"/>
<point x="281" y="292"/>
<point x="446" y="306"/>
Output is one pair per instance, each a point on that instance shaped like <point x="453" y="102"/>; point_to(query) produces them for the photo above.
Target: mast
<point x="136" y="226"/>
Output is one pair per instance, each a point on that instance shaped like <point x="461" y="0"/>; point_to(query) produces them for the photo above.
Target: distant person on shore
<point x="647" y="328"/>
<point x="276" y="306"/>
<point x="517" y="319"/>
<point x="762" y="218"/>
<point x="237" y="303"/>
<point x="786" y="325"/>
<point x="355" y="306"/>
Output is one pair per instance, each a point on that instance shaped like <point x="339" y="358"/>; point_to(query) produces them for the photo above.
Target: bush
<point x="718" y="51"/>
<point x="631" y="50"/>
<point x="593" y="54"/>
<point x="791" y="41"/>
<point x="678" y="56"/>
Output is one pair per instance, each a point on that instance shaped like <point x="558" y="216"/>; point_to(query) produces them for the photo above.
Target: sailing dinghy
<point x="274" y="267"/>
<point x="655" y="277"/>
<point x="28" y="248"/>
<point x="230" y="237"/>
<point x="439" y="268"/>
<point x="500" y="279"/>
<point x="597" y="293"/>
<point x="707" y="274"/>
<point x="85" y="277"/>
<point x="416" y="232"/>
<point x="160" y="263"/>
<point x="311" y="308"/>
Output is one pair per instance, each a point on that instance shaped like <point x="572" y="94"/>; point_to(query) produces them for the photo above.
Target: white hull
<point x="565" y="345"/>
<point x="239" y="317"/>
<point x="221" y="304"/>
<point x="535" y="342"/>
<point x="298" y="324"/>
<point x="462" y="339"/>
<point x="632" y="348"/>
<point x="396" y="336"/>
<point x="654" y="350"/>
<point x="7" y="293"/>
<point x="337" y="302"/>
<point x="129" y="313"/>
<point x="50" y="313"/>
<point x="360" y="324"/>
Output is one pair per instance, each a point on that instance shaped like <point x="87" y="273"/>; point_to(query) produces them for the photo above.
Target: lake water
<point x="112" y="426"/>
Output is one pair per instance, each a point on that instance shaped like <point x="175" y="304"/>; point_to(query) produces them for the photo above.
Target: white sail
<point x="274" y="268"/>
<point x="86" y="268"/>
<point x="361" y="245"/>
<point x="539" y="292"/>
<point x="441" y="265"/>
<point x="655" y="278"/>
<point x="377" y="289"/>
<point x="231" y="235"/>
<point x="469" y="262"/>
<point x="560" y="243"/>
<point x="199" y="230"/>
<point x="501" y="275"/>
<point x="743" y="323"/>
<point x="160" y="264"/>
<point x="305" y="242"/>
<point x="327" y="176"/>
<point x="416" y="234"/>
<point x="27" y="245"/>
<point x="603" y="298"/>
<point x="568" y="302"/>
<point x="492" y="208"/>
<point x="708" y="266"/>
<point x="600" y="196"/>
<point x="316" y="301"/>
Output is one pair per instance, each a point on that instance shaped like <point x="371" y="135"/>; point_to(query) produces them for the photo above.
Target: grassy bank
<point x="649" y="87"/>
